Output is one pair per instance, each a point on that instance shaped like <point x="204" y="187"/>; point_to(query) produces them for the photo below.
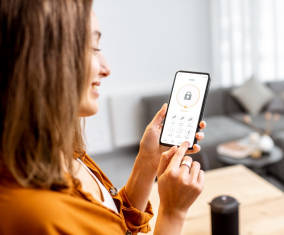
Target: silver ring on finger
<point x="186" y="163"/>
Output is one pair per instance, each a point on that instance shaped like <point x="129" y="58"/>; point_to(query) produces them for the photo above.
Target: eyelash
<point x="96" y="49"/>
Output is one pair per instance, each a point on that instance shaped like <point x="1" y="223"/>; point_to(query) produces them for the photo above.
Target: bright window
<point x="248" y="40"/>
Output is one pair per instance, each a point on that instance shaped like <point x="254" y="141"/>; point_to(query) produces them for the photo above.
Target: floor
<point x="118" y="165"/>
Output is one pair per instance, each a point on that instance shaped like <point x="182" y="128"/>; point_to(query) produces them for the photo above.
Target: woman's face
<point x="99" y="69"/>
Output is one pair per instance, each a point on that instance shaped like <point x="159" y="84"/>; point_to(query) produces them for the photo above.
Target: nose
<point x="104" y="68"/>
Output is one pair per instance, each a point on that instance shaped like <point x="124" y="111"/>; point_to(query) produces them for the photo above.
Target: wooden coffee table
<point x="261" y="203"/>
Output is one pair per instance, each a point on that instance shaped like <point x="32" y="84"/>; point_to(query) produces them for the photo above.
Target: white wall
<point x="144" y="42"/>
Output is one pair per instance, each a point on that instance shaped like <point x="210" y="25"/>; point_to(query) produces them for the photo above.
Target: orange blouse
<point x="70" y="211"/>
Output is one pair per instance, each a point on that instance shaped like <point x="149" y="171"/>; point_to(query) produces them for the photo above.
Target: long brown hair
<point x="44" y="68"/>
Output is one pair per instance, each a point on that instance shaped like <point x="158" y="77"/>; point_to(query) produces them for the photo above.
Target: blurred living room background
<point x="239" y="42"/>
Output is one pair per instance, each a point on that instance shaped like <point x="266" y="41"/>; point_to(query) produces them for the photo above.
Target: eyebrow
<point x="97" y="33"/>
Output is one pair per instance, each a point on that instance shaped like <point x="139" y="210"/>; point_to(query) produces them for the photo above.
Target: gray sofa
<point x="223" y="115"/>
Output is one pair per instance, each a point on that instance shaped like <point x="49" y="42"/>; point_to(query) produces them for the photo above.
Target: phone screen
<point x="185" y="108"/>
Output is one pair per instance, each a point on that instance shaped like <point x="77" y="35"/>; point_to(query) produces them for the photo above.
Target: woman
<point x="51" y="68"/>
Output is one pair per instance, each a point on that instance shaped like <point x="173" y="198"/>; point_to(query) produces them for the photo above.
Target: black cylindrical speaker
<point x="224" y="216"/>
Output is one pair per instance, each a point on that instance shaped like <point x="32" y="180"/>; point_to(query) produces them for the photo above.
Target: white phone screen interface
<point x="184" y="109"/>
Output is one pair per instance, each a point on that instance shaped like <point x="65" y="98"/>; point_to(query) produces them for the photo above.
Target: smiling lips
<point x="94" y="89"/>
<point x="96" y="83"/>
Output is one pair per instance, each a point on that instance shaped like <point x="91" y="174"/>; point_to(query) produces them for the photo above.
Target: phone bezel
<point x="202" y="107"/>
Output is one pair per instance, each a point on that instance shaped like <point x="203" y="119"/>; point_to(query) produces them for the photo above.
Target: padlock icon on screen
<point x="187" y="95"/>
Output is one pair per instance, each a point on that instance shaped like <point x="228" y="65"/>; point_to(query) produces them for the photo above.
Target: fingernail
<point x="197" y="146"/>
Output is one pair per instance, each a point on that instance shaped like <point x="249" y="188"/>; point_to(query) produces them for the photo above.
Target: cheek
<point x="95" y="67"/>
<point x="89" y="104"/>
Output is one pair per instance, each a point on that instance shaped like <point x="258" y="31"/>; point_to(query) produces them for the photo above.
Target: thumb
<point x="160" y="115"/>
<point x="165" y="160"/>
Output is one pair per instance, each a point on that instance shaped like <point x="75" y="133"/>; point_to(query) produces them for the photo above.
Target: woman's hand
<point x="150" y="149"/>
<point x="146" y="164"/>
<point x="179" y="185"/>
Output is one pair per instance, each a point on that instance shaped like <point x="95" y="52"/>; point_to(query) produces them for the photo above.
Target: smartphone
<point x="185" y="109"/>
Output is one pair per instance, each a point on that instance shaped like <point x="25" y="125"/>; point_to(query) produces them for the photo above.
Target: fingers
<point x="196" y="149"/>
<point x="160" y="115"/>
<point x="165" y="159"/>
<point x="200" y="179"/>
<point x="202" y="125"/>
<point x="199" y="136"/>
<point x="164" y="148"/>
<point x="194" y="171"/>
<point x="186" y="168"/>
<point x="177" y="158"/>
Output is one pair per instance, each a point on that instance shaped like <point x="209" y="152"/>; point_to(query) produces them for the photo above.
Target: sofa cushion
<point x="277" y="104"/>
<point x="276" y="86"/>
<point x="220" y="102"/>
<point x="231" y="105"/>
<point x="221" y="129"/>
<point x="152" y="105"/>
<point x="253" y="95"/>
<point x="214" y="103"/>
<point x="260" y="123"/>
